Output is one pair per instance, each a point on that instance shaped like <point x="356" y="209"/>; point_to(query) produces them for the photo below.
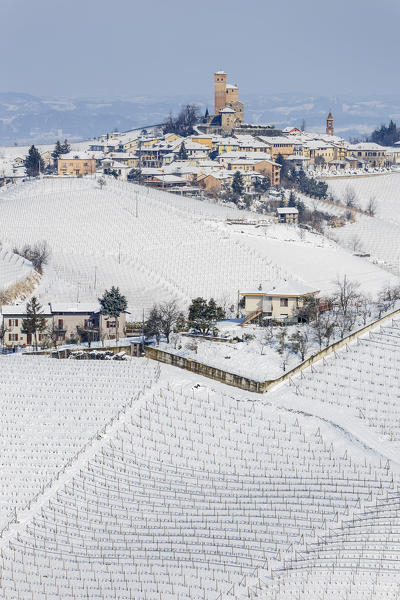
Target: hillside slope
<point x="155" y="245"/>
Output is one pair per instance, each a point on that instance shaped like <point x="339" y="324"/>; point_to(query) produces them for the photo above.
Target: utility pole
<point x="143" y="330"/>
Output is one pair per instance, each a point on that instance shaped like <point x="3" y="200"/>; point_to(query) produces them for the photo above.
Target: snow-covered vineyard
<point x="378" y="235"/>
<point x="13" y="268"/>
<point x="187" y="489"/>
<point x="156" y="245"/>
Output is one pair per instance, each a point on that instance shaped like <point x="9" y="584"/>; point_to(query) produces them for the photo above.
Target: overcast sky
<point x="129" y="48"/>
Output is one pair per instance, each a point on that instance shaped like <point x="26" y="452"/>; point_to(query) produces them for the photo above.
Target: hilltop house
<point x="279" y="300"/>
<point x="76" y="164"/>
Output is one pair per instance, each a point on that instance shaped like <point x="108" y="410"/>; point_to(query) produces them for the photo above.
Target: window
<point x="13" y="337"/>
<point x="284" y="302"/>
<point x="13" y="322"/>
<point x="111" y="324"/>
<point x="60" y="323"/>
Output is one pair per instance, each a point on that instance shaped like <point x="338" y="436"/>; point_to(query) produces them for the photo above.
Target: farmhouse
<point x="64" y="317"/>
<point x="276" y="300"/>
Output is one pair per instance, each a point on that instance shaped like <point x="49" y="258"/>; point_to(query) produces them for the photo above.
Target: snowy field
<point x="379" y="235"/>
<point x="155" y="245"/>
<point x="385" y="189"/>
<point x="13" y="268"/>
<point x="205" y="492"/>
<point x="49" y="410"/>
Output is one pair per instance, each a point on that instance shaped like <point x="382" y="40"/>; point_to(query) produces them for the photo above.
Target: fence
<point x="251" y="385"/>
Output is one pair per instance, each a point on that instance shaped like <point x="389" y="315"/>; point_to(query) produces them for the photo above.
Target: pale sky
<point x="130" y="48"/>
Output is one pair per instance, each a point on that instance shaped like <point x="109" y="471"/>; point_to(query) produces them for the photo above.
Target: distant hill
<point x="25" y="118"/>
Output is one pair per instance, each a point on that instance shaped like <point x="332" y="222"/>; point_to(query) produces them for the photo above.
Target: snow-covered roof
<point x="286" y="287"/>
<point x="74" y="307"/>
<point x="317" y="145"/>
<point x="19" y="310"/>
<point x="276" y="139"/>
<point x="77" y="155"/>
<point x="170" y="178"/>
<point x="231" y="87"/>
<point x="227" y="110"/>
<point x="366" y="146"/>
<point x="220" y="73"/>
<point x="287" y="210"/>
<point x="257" y="156"/>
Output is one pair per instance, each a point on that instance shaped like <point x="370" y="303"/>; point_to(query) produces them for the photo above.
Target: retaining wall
<point x="249" y="384"/>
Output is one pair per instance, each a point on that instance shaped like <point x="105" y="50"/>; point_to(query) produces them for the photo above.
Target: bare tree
<point x="300" y="342"/>
<point x="389" y="295"/>
<point x="364" y="307"/>
<point x="53" y="333"/>
<point x="285" y="355"/>
<point x="356" y="243"/>
<point x="346" y="321"/>
<point x="3" y="330"/>
<point x="350" y="197"/>
<point x="372" y="206"/>
<point x="345" y="294"/>
<point x="38" y="254"/>
<point x="162" y="320"/>
<point x="170" y="314"/>
<point x="102" y="182"/>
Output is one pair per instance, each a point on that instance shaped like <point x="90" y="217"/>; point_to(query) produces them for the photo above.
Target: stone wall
<point x="249" y="384"/>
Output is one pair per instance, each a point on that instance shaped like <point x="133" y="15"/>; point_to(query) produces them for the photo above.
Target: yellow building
<point x="278" y="144"/>
<point x="318" y="148"/>
<point x="76" y="165"/>
<point x="206" y="140"/>
<point x="276" y="300"/>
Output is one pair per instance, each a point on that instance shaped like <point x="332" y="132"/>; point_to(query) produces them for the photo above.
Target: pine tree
<point x="238" y="184"/>
<point x="292" y="199"/>
<point x="33" y="163"/>
<point x="113" y="303"/>
<point x="182" y="154"/>
<point x="35" y="321"/>
<point x="57" y="150"/>
<point x="203" y="314"/>
<point x="65" y="147"/>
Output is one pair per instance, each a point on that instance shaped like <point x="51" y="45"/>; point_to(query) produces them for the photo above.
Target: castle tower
<point x="219" y="91"/>
<point x="329" y="124"/>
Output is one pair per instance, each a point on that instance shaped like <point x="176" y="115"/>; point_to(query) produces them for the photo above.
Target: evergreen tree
<point x="238" y="184"/>
<point x="203" y="314"/>
<point x="113" y="303"/>
<point x="182" y="154"/>
<point x="35" y="321"/>
<point x="135" y="175"/>
<point x="386" y="136"/>
<point x="33" y="163"/>
<point x="292" y="200"/>
<point x="57" y="150"/>
<point x="206" y="115"/>
<point x="65" y="147"/>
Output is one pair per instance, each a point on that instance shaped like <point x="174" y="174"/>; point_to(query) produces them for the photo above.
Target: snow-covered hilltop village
<point x="199" y="367"/>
